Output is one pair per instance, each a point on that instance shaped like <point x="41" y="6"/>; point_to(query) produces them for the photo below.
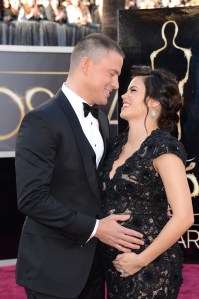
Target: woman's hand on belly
<point x="127" y="263"/>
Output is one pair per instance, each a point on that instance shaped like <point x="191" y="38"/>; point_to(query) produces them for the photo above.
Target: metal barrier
<point x="44" y="33"/>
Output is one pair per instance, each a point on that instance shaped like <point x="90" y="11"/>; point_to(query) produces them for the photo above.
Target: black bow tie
<point x="92" y="109"/>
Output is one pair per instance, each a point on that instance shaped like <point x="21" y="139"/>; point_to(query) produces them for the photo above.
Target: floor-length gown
<point x="137" y="189"/>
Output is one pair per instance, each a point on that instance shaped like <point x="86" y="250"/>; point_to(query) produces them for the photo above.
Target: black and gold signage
<point x="28" y="77"/>
<point x="168" y="38"/>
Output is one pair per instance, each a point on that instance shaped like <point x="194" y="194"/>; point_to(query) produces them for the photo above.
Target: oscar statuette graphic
<point x="168" y="38"/>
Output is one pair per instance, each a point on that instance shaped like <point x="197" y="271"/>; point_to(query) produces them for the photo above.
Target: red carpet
<point x="9" y="290"/>
<point x="8" y="287"/>
<point x="190" y="286"/>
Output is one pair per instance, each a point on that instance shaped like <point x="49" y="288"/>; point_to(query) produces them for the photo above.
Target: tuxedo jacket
<point x="57" y="190"/>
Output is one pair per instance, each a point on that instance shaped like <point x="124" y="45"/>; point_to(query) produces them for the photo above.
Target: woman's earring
<point x="153" y="113"/>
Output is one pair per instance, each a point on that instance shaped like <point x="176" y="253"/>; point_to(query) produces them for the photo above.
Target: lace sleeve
<point x="170" y="145"/>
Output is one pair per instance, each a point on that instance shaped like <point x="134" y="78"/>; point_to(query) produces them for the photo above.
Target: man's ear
<point x="85" y="64"/>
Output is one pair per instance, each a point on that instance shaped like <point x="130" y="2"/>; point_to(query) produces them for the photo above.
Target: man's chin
<point x="103" y="102"/>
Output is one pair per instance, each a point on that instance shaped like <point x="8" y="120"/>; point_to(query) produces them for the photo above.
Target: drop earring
<point x="153" y="113"/>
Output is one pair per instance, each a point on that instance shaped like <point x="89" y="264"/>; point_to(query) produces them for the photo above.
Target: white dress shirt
<point x="89" y="124"/>
<point x="90" y="127"/>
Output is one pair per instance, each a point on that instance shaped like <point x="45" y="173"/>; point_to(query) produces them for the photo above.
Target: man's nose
<point x="115" y="83"/>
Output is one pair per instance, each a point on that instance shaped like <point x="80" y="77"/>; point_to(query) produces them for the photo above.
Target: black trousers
<point x="94" y="288"/>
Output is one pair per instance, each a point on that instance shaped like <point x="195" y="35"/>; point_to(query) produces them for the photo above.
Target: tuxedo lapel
<point x="104" y="130"/>
<point x="87" y="152"/>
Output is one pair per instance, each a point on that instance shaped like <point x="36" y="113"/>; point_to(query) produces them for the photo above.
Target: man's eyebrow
<point x="115" y="71"/>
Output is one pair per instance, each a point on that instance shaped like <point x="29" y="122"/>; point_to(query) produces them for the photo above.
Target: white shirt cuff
<point x="94" y="230"/>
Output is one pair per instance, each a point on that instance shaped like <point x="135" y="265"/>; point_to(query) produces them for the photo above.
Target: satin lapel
<point x="105" y="132"/>
<point x="81" y="141"/>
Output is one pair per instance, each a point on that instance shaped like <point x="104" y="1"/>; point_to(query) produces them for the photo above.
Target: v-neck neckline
<point x="131" y="156"/>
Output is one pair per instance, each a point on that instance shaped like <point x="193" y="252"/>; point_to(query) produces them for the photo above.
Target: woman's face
<point x="133" y="100"/>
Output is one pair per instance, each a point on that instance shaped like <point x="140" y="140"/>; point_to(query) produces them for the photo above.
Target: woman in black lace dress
<point x="143" y="174"/>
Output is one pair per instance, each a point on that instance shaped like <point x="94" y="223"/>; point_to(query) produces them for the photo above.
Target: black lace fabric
<point x="137" y="189"/>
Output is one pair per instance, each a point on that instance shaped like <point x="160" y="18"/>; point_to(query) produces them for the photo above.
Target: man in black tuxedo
<point x="58" y="148"/>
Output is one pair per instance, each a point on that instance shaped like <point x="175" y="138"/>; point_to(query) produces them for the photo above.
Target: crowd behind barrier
<point x="44" y="33"/>
<point x="48" y="22"/>
<point x="145" y="4"/>
<point x="63" y="11"/>
<point x="73" y="11"/>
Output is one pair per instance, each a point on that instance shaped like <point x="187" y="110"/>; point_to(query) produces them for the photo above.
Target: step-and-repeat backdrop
<point x="161" y="38"/>
<point x="169" y="38"/>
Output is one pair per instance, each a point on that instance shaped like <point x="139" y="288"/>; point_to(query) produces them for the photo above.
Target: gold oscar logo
<point x="17" y="100"/>
<point x="28" y="105"/>
<point x="21" y="106"/>
<point x="187" y="54"/>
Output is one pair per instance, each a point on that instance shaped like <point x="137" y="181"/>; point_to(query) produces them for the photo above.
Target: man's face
<point x="103" y="77"/>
